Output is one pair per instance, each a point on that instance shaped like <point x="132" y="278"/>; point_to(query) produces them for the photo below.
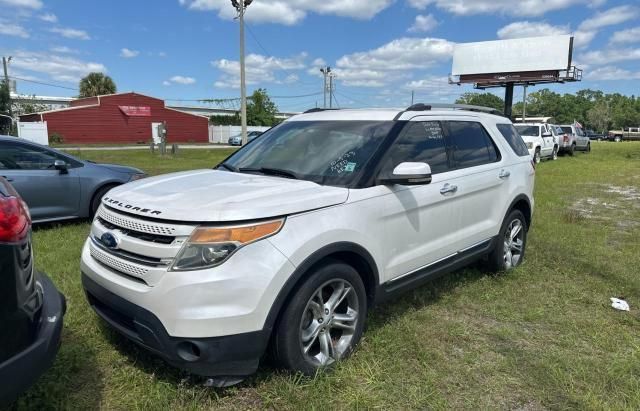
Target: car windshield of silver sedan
<point x="326" y="152"/>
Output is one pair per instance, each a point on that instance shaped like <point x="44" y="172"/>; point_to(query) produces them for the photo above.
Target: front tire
<point x="511" y="243"/>
<point x="324" y="320"/>
<point x="536" y="156"/>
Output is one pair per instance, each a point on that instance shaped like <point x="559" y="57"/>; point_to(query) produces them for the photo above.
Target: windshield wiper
<point x="272" y="171"/>
<point x="228" y="167"/>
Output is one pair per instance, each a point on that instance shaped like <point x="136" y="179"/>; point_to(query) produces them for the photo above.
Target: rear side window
<point x="422" y="142"/>
<point x="514" y="140"/>
<point x="471" y="144"/>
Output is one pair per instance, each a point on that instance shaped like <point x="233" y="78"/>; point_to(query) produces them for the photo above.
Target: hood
<point x="214" y="196"/>
<point x="119" y="169"/>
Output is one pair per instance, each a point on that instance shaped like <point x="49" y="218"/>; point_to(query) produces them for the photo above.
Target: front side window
<point x="325" y="152"/>
<point x="421" y="142"/>
<point x="23" y="157"/>
<point x="514" y="139"/>
<point x="471" y="144"/>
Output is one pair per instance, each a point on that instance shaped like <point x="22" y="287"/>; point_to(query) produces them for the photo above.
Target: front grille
<point x="153" y="238"/>
<point x="129" y="269"/>
<point x="137" y="225"/>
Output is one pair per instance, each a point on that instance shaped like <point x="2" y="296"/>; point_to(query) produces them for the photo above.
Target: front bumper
<point x="232" y="355"/>
<point x="20" y="371"/>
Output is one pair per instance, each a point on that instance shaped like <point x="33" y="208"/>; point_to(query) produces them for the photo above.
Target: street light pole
<point x="241" y="7"/>
<point x="5" y="62"/>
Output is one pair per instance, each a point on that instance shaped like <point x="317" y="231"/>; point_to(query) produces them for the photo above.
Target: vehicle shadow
<point x="74" y="373"/>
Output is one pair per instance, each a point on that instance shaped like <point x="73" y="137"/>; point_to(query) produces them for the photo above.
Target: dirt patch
<point x="608" y="203"/>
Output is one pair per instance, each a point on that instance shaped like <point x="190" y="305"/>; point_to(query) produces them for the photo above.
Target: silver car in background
<point x="55" y="185"/>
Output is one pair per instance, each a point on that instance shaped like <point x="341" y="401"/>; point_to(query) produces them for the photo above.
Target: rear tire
<point x="554" y="155"/>
<point x="508" y="253"/>
<point x="572" y="149"/>
<point x="589" y="148"/>
<point x="617" y="139"/>
<point x="312" y="332"/>
<point x="97" y="199"/>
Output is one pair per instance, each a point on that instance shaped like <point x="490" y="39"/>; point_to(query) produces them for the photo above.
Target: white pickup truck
<point x="541" y="139"/>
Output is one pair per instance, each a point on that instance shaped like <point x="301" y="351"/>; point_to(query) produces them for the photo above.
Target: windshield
<point x="325" y="152"/>
<point x="528" y="130"/>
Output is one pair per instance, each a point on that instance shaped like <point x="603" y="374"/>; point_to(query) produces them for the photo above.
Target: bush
<point x="56" y="138"/>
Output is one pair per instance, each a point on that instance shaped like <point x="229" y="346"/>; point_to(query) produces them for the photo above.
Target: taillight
<point x="565" y="138"/>
<point x="15" y="220"/>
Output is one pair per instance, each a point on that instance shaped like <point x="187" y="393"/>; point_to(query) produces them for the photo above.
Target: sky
<point x="379" y="50"/>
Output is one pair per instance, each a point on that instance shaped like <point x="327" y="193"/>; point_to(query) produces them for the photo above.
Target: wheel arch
<point x="522" y="203"/>
<point x="347" y="252"/>
<point x="96" y="190"/>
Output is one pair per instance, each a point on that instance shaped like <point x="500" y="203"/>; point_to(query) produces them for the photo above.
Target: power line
<point x="43" y="83"/>
<point x="354" y="100"/>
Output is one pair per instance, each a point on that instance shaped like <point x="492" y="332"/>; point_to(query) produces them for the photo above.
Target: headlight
<point x="211" y="246"/>
<point x="138" y="176"/>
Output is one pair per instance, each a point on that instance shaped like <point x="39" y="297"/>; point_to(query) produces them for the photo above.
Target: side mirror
<point x="409" y="174"/>
<point x="60" y="166"/>
<point x="547" y="134"/>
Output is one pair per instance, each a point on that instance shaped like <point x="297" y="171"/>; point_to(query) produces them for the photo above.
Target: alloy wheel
<point x="513" y="244"/>
<point x="329" y="322"/>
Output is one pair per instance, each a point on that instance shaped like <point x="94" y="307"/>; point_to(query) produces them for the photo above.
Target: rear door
<point x="48" y="192"/>
<point x="582" y="140"/>
<point x="481" y="177"/>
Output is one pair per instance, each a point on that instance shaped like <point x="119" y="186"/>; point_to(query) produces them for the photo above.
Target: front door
<point x="49" y="193"/>
<point x="417" y="218"/>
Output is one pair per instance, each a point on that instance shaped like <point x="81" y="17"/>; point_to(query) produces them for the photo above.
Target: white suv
<point x="292" y="239"/>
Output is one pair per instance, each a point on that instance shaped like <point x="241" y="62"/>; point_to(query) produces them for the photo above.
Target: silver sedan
<point x="55" y="185"/>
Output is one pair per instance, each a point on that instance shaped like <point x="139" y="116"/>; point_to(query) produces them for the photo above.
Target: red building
<point x="121" y="118"/>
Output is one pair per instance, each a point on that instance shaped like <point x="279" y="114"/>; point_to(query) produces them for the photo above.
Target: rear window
<point x="566" y="130"/>
<point x="510" y="134"/>
<point x="533" y="131"/>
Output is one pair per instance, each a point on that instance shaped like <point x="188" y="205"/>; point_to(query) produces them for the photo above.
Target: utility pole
<point x="524" y="105"/>
<point x="330" y="90"/>
<point x="5" y="62"/>
<point x="412" y="95"/>
<point x="326" y="72"/>
<point x="241" y="7"/>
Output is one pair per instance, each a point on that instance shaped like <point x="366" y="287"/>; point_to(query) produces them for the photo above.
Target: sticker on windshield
<point x="349" y="167"/>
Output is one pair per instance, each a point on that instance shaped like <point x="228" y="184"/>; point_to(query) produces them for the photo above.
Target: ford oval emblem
<point x="109" y="240"/>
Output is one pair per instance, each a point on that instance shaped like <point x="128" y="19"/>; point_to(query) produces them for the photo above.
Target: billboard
<point x="551" y="53"/>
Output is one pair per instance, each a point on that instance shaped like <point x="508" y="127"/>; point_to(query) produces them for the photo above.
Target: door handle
<point x="448" y="189"/>
<point x="504" y="174"/>
<point x="7" y="178"/>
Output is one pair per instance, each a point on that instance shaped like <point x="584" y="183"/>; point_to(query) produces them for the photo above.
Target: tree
<point x="261" y="111"/>
<point x="222" y="120"/>
<point x="96" y="84"/>
<point x="28" y="107"/>
<point x="481" y="99"/>
<point x="5" y="97"/>
<point x="599" y="116"/>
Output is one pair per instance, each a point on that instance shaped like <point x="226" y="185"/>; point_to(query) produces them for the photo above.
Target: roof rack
<point x="466" y="107"/>
<point x="318" y="109"/>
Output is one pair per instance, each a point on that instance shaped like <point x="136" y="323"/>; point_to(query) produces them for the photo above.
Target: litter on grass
<point x="619" y="304"/>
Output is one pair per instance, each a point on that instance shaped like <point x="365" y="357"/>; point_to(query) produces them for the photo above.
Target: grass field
<point x="541" y="337"/>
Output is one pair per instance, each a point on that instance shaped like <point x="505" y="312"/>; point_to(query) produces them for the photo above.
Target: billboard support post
<point x="508" y="99"/>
